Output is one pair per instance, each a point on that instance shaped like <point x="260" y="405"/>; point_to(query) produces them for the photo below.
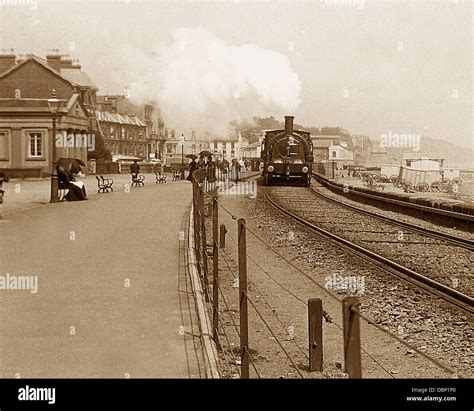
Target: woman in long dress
<point x="193" y="166"/>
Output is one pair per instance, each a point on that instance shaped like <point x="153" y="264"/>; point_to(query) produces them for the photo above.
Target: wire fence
<point x="206" y="206"/>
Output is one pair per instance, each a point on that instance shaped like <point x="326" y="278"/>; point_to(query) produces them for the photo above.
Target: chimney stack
<point x="76" y="65"/>
<point x="7" y="60"/>
<point x="58" y="61"/>
<point x="54" y="60"/>
<point x="289" y="124"/>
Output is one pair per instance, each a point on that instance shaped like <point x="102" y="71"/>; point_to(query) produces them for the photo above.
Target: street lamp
<point x="53" y="104"/>
<point x="182" y="156"/>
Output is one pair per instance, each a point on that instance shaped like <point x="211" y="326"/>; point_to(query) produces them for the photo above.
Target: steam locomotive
<point x="287" y="156"/>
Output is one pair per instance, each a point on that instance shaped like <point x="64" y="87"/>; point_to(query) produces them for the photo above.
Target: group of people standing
<point x="203" y="163"/>
<point x="211" y="166"/>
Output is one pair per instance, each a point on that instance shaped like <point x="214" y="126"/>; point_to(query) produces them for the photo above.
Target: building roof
<point x="73" y="76"/>
<point x="105" y="116"/>
<point x="78" y="77"/>
<point x="321" y="143"/>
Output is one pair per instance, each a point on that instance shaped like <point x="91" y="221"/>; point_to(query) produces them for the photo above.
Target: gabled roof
<point x="40" y="61"/>
<point x="75" y="77"/>
<point x="73" y="101"/>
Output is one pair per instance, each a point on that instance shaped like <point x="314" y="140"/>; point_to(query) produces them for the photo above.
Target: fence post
<point x="222" y="233"/>
<point x="204" y="248"/>
<point x="197" y="226"/>
<point x="315" y="333"/>
<point x="215" y="270"/>
<point x="351" y="331"/>
<point x="244" y="326"/>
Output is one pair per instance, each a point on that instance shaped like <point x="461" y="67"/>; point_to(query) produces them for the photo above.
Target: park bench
<point x="104" y="184"/>
<point x="138" y="180"/>
<point x="177" y="175"/>
<point x="63" y="187"/>
<point x="160" y="178"/>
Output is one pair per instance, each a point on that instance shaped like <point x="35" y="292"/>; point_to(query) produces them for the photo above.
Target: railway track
<point x="461" y="242"/>
<point x="346" y="225"/>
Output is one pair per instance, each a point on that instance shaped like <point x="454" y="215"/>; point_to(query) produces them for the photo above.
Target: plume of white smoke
<point x="200" y="82"/>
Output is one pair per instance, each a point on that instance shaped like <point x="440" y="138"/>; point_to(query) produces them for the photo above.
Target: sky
<point x="371" y="67"/>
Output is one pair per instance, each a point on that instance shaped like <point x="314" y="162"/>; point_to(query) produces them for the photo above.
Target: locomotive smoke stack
<point x="289" y="124"/>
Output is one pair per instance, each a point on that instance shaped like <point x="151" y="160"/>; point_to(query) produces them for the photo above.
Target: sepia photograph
<point x="195" y="192"/>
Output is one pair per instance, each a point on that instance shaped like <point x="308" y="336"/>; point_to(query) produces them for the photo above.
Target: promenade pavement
<point x="112" y="296"/>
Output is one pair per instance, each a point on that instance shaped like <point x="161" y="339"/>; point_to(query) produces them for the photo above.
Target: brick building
<point x="26" y="135"/>
<point x="130" y="118"/>
<point x="123" y="134"/>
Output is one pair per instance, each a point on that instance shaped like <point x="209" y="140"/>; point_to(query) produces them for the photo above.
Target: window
<point x="334" y="154"/>
<point x="123" y="132"/>
<point x="168" y="149"/>
<point x="35" y="145"/>
<point x="111" y="132"/>
<point x="3" y="145"/>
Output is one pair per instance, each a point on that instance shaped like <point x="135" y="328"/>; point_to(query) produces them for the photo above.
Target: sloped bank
<point x="437" y="211"/>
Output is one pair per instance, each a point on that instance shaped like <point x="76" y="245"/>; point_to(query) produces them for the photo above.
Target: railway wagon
<point x="287" y="156"/>
<point x="416" y="177"/>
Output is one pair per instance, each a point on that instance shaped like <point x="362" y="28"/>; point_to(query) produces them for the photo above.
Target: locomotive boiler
<point x="287" y="156"/>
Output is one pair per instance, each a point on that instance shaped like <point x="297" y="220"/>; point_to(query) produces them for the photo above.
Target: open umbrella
<point x="192" y="156"/>
<point x="205" y="153"/>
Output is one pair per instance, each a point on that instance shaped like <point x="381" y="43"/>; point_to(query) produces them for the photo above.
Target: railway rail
<point x="461" y="242"/>
<point x="458" y="216"/>
<point x="303" y="207"/>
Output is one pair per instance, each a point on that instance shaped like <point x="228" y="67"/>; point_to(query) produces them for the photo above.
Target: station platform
<point x="112" y="298"/>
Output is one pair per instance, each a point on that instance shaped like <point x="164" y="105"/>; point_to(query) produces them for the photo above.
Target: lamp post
<point x="53" y="104"/>
<point x="182" y="156"/>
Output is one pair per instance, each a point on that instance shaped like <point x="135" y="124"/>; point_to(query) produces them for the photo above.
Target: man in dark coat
<point x="135" y="168"/>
